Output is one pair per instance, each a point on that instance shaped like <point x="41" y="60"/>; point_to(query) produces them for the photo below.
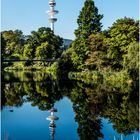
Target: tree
<point x="88" y="23"/>
<point x="122" y="33"/>
<point x="28" y="51"/>
<point x="44" y="51"/>
<point x="97" y="56"/>
<point x="43" y="35"/>
<point x="88" y="20"/>
<point x="131" y="61"/>
<point x="3" y="46"/>
<point x="79" y="53"/>
<point x="64" y="65"/>
<point x="14" y="42"/>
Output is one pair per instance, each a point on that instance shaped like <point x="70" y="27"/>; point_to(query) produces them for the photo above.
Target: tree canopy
<point x="14" y="41"/>
<point x="122" y="33"/>
<point x="88" y="20"/>
<point x="43" y="38"/>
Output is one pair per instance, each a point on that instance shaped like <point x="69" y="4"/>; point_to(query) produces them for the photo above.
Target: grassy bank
<point x="118" y="80"/>
<point x="21" y="67"/>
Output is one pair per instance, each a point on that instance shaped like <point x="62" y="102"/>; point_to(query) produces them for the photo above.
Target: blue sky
<point x="29" y="15"/>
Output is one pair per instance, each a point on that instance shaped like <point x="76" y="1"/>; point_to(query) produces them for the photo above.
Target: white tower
<point x="52" y="13"/>
<point x="52" y="118"/>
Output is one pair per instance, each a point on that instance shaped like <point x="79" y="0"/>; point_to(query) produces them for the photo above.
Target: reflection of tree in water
<point x="122" y="111"/>
<point x="8" y="76"/>
<point x="3" y="98"/>
<point x="89" y="125"/>
<point x="12" y="93"/>
<point x="90" y="102"/>
<point x="43" y="95"/>
<point x="101" y="100"/>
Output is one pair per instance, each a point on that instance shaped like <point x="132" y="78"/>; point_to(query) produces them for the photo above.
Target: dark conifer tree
<point x="88" y="20"/>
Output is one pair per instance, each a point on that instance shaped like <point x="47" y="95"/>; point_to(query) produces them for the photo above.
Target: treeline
<point x="41" y="44"/>
<point x="113" y="50"/>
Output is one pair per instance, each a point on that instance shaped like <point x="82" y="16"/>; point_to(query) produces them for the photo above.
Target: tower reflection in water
<point x="52" y="118"/>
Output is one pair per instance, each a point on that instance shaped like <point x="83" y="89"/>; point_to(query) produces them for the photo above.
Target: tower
<point x="52" y="118"/>
<point x="52" y="13"/>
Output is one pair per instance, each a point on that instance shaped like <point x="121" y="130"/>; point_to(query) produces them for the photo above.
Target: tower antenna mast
<point x="52" y="13"/>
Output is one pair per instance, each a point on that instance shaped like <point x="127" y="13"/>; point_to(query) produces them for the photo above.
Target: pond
<point x="38" y="106"/>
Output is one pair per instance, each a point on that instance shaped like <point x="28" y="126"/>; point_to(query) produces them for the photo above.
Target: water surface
<point x="86" y="112"/>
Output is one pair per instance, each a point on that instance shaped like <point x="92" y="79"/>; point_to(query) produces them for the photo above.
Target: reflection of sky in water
<point x="29" y="123"/>
<point x="109" y="132"/>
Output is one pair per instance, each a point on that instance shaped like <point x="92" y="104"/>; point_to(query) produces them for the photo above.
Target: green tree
<point x="28" y="51"/>
<point x="44" y="51"/>
<point x="64" y="65"/>
<point x="14" y="42"/>
<point x="88" y="20"/>
<point x="131" y="61"/>
<point x="123" y="32"/>
<point x="79" y="53"/>
<point x="3" y="45"/>
<point x="97" y="56"/>
<point x="88" y="23"/>
<point x="37" y="38"/>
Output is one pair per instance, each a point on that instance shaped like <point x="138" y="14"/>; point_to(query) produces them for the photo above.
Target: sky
<point x="29" y="15"/>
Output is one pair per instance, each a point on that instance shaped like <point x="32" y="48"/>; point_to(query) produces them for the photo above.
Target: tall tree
<point x="88" y="23"/>
<point x="88" y="20"/>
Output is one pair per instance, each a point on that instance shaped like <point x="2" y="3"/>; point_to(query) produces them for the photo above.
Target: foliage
<point x="13" y="94"/>
<point x="122" y="33"/>
<point x="89" y="125"/>
<point x="88" y="23"/>
<point x="64" y="65"/>
<point x="44" y="51"/>
<point x="97" y="56"/>
<point x="88" y="20"/>
<point x="119" y="80"/>
<point x="41" y="44"/>
<point x="105" y="64"/>
<point x="131" y="61"/>
<point x="79" y="53"/>
<point x="42" y="38"/>
<point x="28" y="51"/>
<point x="87" y="76"/>
<point x="120" y="111"/>
<point x="3" y="55"/>
<point x="3" y="46"/>
<point x="14" y="42"/>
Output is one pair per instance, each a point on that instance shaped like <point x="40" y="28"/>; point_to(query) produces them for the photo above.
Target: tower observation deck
<point x="52" y="118"/>
<point x="52" y="13"/>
